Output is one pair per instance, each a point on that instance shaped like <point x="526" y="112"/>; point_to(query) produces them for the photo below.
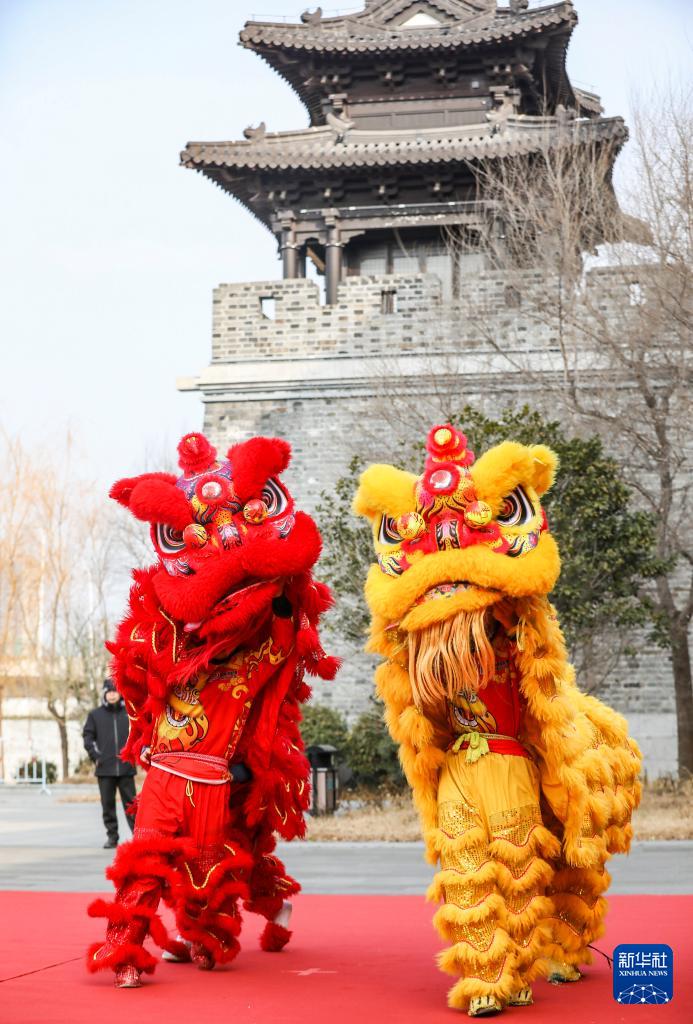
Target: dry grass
<point x="393" y="820"/>
<point x="666" y="812"/>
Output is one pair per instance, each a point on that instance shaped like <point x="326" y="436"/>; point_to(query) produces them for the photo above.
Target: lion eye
<point x="274" y="498"/>
<point x="169" y="540"/>
<point x="387" y="534"/>
<point x="516" y="510"/>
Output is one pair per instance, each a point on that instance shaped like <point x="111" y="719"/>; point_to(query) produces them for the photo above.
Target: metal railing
<point x="33" y="773"/>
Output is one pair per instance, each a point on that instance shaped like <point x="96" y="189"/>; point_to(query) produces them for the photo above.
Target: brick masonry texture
<point x="335" y="380"/>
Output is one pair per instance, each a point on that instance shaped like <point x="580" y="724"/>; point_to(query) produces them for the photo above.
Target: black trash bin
<point x="323" y="798"/>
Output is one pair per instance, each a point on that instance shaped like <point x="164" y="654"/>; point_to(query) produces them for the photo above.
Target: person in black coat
<point x="105" y="734"/>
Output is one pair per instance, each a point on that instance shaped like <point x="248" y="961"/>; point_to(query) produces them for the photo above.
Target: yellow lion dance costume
<point x="524" y="785"/>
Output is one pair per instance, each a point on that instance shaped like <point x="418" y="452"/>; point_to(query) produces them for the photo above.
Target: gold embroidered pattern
<point x="517" y="903"/>
<point x="465" y="896"/>
<point x="207" y="876"/>
<point x="456" y="818"/>
<point x="174" y="644"/>
<point x="480" y="936"/>
<point x="515" y="824"/>
<point x="490" y="973"/>
<point x="238" y="729"/>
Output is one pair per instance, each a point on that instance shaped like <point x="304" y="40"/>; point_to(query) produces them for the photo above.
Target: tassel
<point x="478" y="746"/>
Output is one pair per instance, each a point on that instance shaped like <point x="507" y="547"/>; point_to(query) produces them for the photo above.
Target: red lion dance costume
<point x="210" y="660"/>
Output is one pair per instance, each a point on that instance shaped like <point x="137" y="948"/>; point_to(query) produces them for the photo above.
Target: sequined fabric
<point x="495" y="866"/>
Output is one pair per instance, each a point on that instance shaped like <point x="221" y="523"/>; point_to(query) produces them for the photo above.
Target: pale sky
<point x="110" y="250"/>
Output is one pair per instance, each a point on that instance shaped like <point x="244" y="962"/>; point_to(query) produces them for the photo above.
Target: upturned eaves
<point x="324" y="147"/>
<point x="354" y="35"/>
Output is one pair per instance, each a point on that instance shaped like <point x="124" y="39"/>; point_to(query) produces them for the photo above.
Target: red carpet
<point x="353" y="959"/>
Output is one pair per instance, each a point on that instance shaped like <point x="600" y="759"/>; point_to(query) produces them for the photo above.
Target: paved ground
<point x="54" y="843"/>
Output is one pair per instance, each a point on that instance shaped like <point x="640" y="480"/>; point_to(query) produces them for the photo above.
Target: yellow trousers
<point x="499" y="863"/>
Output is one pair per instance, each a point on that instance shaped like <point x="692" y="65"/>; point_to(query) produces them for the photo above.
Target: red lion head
<point x="228" y="537"/>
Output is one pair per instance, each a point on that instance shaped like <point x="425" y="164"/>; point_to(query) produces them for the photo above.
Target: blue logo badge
<point x="643" y="973"/>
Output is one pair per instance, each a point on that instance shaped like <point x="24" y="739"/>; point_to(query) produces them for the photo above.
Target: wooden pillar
<point x="333" y="263"/>
<point x="290" y="254"/>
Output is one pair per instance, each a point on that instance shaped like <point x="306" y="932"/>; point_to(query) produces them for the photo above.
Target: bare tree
<point x="55" y="581"/>
<point x="609" y="295"/>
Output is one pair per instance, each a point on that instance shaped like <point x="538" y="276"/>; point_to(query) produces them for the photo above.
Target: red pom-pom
<point x="196" y="454"/>
<point x="326" y="668"/>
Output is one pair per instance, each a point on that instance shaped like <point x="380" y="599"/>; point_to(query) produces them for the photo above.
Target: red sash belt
<point x="196" y="767"/>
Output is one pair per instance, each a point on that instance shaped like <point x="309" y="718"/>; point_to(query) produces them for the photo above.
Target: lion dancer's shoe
<point x="484" y="1006"/>
<point x="182" y="957"/>
<point x="521" y="998"/>
<point x="561" y="973"/>
<point x="127" y="977"/>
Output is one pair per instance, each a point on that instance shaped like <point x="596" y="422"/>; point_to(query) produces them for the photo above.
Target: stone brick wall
<point x="349" y="377"/>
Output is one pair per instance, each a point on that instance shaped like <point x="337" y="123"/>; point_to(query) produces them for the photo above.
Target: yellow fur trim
<point x="449" y="847"/>
<point x="385" y="490"/>
<point x="534" y="876"/>
<point x="466" y="989"/>
<point x="413" y="725"/>
<point x="449" y="917"/>
<point x="532" y="956"/>
<point x="581" y="881"/>
<point x="485" y="874"/>
<point x="463" y="957"/>
<point x="539" y="840"/>
<point x="393" y="686"/>
<point x="573" y="957"/>
<point x="392" y="597"/>
<point x="498" y="471"/>
<point x="588" y="917"/>
<point x="519" y="922"/>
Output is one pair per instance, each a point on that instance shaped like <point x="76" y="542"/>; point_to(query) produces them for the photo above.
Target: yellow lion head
<point x="462" y="536"/>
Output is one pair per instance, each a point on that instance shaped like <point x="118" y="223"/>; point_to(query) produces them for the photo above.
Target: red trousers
<point x="190" y="848"/>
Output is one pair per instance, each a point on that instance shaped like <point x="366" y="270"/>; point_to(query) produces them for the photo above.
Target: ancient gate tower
<point x="405" y="98"/>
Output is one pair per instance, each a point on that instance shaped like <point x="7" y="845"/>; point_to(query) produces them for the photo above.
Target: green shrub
<point x="371" y="754"/>
<point x="324" y="725"/>
<point x="84" y="767"/>
<point x="26" y="771"/>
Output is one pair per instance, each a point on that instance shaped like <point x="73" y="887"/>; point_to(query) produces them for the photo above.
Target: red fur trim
<point x="253" y="462"/>
<point x="216" y="934"/>
<point x="153" y="857"/>
<point x="316" y="661"/>
<point x="326" y="668"/>
<point x="274" y="937"/>
<point x="303" y="692"/>
<point x="154" y="498"/>
<point x="160" y="501"/>
<point x="128" y="953"/>
<point x="315" y="598"/>
<point x="131" y="808"/>
<point x="161" y="937"/>
<point x="121" y="491"/>
<point x="119" y="913"/>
